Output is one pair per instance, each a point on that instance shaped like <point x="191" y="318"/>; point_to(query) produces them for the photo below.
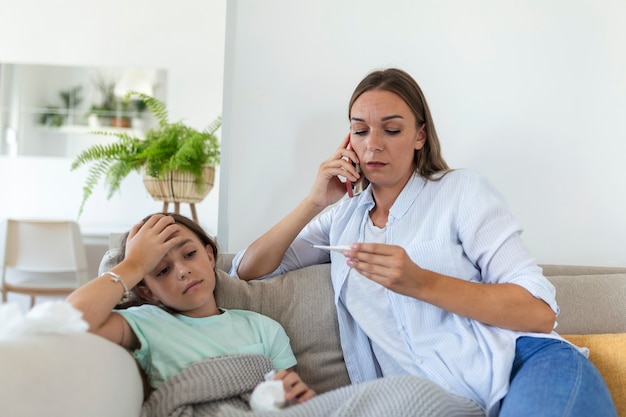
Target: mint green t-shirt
<point x="171" y="342"/>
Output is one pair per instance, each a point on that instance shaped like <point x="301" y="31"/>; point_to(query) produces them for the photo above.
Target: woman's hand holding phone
<point x="329" y="186"/>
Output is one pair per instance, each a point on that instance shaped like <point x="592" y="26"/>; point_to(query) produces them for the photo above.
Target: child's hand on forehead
<point x="150" y="240"/>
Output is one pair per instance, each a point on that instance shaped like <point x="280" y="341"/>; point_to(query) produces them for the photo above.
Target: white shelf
<point x="84" y="129"/>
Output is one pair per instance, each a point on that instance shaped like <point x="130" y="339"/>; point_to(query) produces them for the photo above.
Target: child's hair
<point x="136" y="299"/>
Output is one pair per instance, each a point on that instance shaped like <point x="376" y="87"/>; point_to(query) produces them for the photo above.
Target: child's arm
<point x="146" y="245"/>
<point x="96" y="300"/>
<point x="295" y="388"/>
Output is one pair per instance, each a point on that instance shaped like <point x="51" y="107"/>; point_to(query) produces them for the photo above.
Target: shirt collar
<point x="403" y="202"/>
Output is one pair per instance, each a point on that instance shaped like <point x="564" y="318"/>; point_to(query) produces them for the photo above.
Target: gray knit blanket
<point x="203" y="387"/>
<point x="221" y="387"/>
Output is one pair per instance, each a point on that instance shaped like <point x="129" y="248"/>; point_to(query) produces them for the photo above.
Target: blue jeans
<point x="550" y="378"/>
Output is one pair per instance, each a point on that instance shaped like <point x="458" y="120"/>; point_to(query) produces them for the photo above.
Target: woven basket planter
<point x="179" y="187"/>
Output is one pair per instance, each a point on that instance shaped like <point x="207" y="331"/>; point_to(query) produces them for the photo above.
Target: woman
<point x="167" y="271"/>
<point x="412" y="288"/>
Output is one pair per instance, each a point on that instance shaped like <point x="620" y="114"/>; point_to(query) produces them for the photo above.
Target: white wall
<point x="186" y="39"/>
<point x="531" y="94"/>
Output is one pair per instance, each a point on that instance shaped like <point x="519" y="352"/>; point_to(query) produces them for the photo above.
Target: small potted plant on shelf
<point x="56" y="116"/>
<point x="102" y="113"/>
<point x="177" y="161"/>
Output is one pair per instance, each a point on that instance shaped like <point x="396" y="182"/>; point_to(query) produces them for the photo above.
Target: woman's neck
<point x="384" y="199"/>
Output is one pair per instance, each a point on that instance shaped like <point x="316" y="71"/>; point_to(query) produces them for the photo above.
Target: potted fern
<point x="177" y="162"/>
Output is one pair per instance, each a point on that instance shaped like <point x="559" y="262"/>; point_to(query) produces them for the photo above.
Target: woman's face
<point x="185" y="279"/>
<point x="384" y="135"/>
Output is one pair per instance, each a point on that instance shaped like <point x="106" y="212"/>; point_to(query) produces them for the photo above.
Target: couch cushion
<point x="567" y="270"/>
<point x="70" y="375"/>
<point x="608" y="353"/>
<point x="591" y="303"/>
<point x="306" y="311"/>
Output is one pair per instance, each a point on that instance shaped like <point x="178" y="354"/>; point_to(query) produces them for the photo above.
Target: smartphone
<point x="351" y="186"/>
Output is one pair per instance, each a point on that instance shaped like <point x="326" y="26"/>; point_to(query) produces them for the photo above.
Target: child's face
<point x="184" y="279"/>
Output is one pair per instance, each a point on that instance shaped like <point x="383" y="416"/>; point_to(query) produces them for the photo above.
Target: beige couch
<point x="84" y="375"/>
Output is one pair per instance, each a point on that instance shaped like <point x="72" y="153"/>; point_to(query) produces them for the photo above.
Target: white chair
<point x="42" y="258"/>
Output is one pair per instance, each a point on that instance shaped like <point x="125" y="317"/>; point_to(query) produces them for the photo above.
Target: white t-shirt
<point x="369" y="305"/>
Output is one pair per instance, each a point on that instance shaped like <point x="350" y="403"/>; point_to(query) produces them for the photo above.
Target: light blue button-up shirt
<point x="458" y="226"/>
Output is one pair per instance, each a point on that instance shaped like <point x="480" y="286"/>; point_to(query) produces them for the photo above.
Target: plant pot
<point x="120" y="121"/>
<point x="179" y="187"/>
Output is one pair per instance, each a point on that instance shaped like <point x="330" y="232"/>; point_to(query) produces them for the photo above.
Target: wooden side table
<point x="192" y="207"/>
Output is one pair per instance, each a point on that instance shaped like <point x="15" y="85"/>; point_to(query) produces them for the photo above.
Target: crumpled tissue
<point x="47" y="317"/>
<point x="269" y="395"/>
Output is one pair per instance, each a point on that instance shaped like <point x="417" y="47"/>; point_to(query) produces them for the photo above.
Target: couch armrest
<point x="70" y="375"/>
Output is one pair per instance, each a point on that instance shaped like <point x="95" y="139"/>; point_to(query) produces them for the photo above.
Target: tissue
<point x="47" y="317"/>
<point x="269" y="395"/>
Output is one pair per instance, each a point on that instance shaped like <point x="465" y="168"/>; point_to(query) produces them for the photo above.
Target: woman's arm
<point x="147" y="244"/>
<point x="503" y="305"/>
<point x="264" y="255"/>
